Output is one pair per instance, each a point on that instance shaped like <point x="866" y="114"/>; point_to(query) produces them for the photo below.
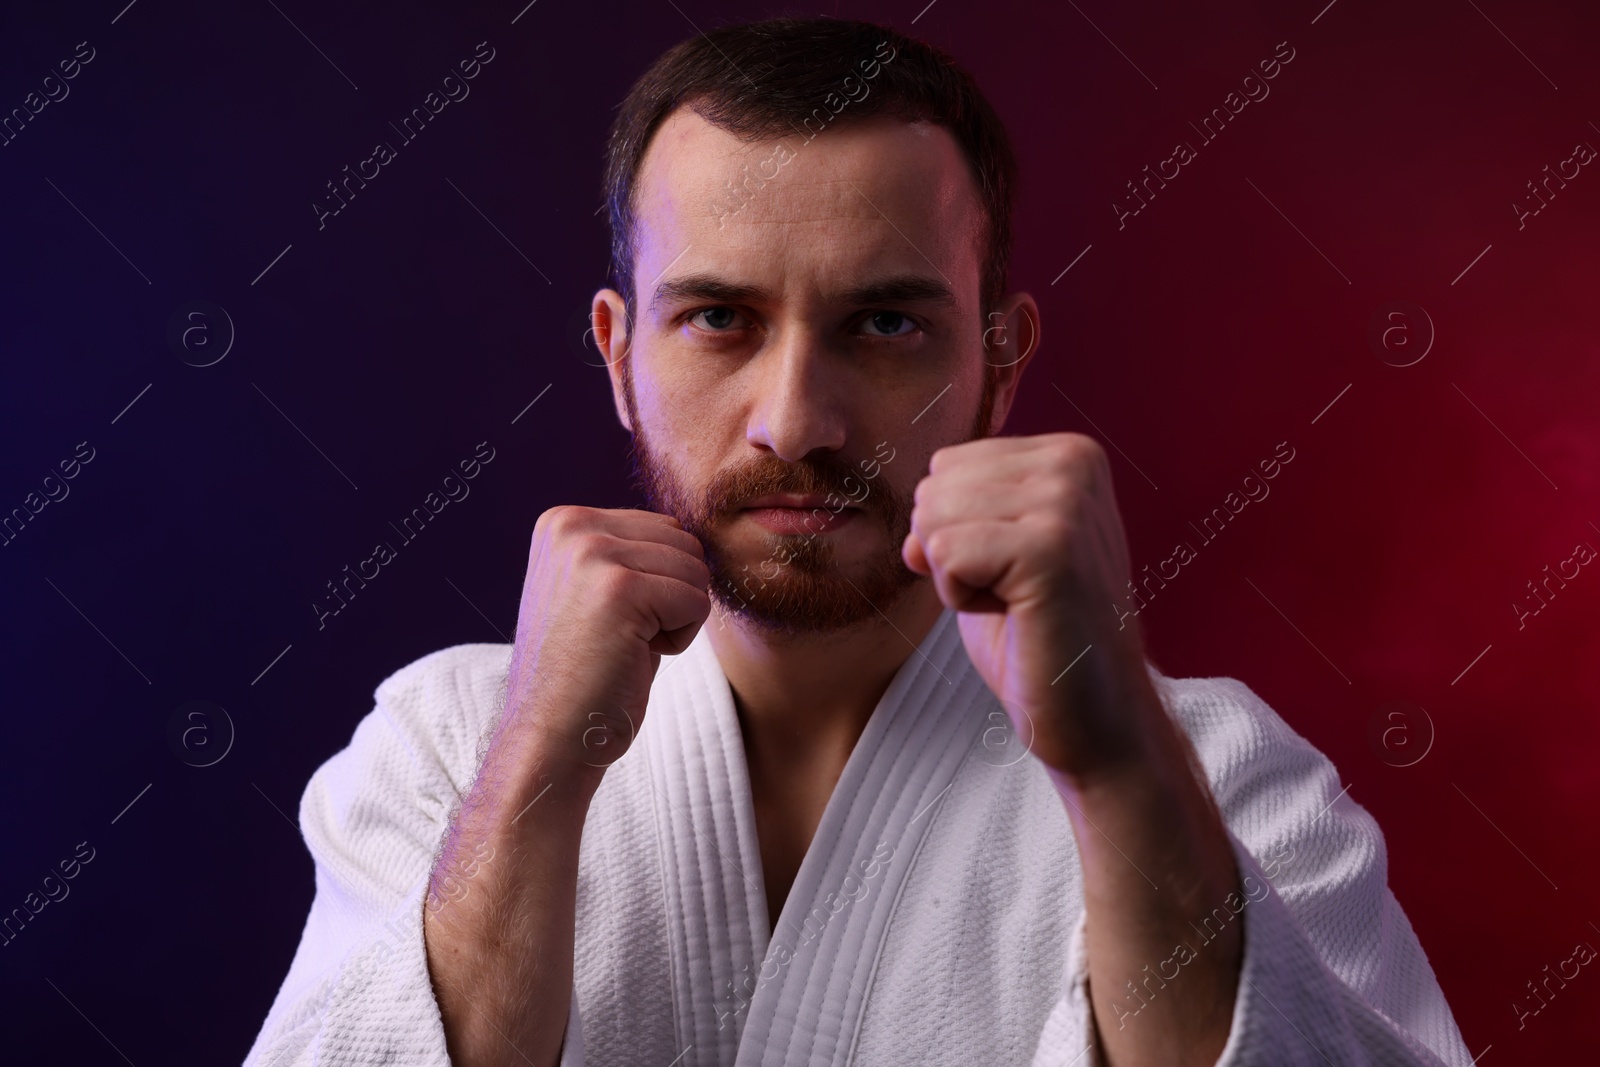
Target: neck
<point x="803" y="700"/>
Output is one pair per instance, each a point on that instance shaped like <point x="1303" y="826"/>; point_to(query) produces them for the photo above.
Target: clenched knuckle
<point x="588" y="546"/>
<point x="1089" y="453"/>
<point x="615" y="584"/>
<point x="1058" y="529"/>
<point x="1063" y="490"/>
<point x="556" y="520"/>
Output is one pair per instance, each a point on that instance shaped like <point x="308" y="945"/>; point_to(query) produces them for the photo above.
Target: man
<point x="841" y="751"/>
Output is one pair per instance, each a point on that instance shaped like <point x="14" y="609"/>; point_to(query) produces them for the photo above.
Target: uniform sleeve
<point x="1332" y="971"/>
<point x="358" y="990"/>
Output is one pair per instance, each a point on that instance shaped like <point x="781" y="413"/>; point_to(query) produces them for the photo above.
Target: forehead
<point x="871" y="197"/>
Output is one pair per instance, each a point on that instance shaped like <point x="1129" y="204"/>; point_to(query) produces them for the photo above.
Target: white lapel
<point x="812" y="982"/>
<point x="711" y="861"/>
<point x="740" y="1001"/>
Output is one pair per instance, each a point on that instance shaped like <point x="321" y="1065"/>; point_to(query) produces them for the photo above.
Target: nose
<point x="798" y="407"/>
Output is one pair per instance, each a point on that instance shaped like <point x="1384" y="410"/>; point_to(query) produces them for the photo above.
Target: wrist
<point x="541" y="743"/>
<point x="1143" y="752"/>
<point x="545" y="775"/>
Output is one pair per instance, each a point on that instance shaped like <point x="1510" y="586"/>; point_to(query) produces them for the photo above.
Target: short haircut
<point x="762" y="80"/>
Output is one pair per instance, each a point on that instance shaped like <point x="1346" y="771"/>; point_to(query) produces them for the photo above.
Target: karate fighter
<point x="838" y="750"/>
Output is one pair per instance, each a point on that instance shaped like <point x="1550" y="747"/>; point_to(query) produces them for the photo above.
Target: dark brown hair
<point x="761" y="80"/>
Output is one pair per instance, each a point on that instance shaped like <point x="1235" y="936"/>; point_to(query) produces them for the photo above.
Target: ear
<point x="608" y="329"/>
<point x="1010" y="339"/>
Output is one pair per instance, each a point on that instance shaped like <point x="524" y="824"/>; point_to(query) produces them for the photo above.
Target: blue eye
<point x="717" y="318"/>
<point x="889" y="321"/>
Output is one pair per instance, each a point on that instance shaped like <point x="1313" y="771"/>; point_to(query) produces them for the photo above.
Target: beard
<point x="793" y="584"/>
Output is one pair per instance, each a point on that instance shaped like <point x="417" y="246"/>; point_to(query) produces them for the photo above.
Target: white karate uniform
<point x="937" y="918"/>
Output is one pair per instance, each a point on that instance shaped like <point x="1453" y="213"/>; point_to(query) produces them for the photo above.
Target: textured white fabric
<point x="937" y="918"/>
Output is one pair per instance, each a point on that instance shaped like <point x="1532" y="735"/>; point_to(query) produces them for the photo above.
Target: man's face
<point x="815" y="334"/>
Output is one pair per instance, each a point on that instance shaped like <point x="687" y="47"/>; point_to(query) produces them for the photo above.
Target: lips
<point x="804" y="501"/>
<point x="795" y="520"/>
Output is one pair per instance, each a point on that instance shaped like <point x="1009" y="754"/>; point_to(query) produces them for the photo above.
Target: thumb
<point x="915" y="558"/>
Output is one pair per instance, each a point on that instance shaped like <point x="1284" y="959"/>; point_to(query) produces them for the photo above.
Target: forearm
<point x="1157" y="866"/>
<point x="500" y="930"/>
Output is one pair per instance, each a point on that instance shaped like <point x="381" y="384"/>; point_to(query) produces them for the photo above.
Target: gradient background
<point x="1231" y="314"/>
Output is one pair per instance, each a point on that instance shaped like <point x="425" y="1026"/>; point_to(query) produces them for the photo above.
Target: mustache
<point x="701" y="509"/>
<point x="827" y="476"/>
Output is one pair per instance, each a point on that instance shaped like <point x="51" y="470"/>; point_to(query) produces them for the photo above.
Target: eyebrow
<point x="895" y="289"/>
